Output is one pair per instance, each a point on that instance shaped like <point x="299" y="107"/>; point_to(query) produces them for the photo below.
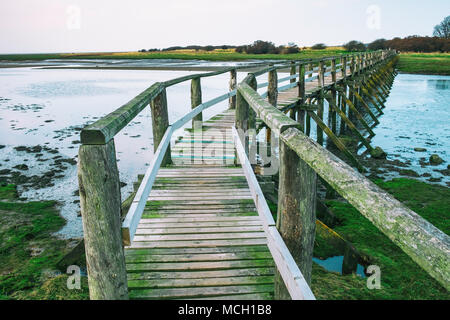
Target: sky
<point x="46" y="26"/>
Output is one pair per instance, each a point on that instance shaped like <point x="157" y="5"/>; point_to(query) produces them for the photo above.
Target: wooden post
<point x="233" y="82"/>
<point x="321" y="80"/>
<point x="296" y="219"/>
<point x="242" y="120"/>
<point x="331" y="112"/>
<point x="98" y="179"/>
<point x="301" y="95"/>
<point x="160" y="123"/>
<point x="344" y="67"/>
<point x="196" y="98"/>
<point x="272" y="89"/>
<point x="293" y="71"/>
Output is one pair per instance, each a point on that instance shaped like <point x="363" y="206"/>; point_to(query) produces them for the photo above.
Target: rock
<point x="409" y="173"/>
<point x="2" y="146"/>
<point x="435" y="159"/>
<point x="5" y="171"/>
<point x="420" y="149"/>
<point x="21" y="167"/>
<point x="378" y="153"/>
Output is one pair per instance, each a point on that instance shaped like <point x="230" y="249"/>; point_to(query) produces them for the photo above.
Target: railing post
<point x="296" y="219"/>
<point x="331" y="111"/>
<point x="242" y="120"/>
<point x="196" y="98"/>
<point x="344" y="67"/>
<point x="233" y="83"/>
<point x="301" y="95"/>
<point x="272" y="89"/>
<point x="160" y="123"/>
<point x="98" y="179"/>
<point x="293" y="71"/>
<point x="321" y="80"/>
<point x="272" y="97"/>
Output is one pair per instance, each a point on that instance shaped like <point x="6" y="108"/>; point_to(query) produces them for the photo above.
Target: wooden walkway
<point x="200" y="235"/>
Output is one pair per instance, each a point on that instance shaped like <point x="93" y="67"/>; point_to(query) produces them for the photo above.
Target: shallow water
<point x="42" y="107"/>
<point x="335" y="264"/>
<point x="417" y="115"/>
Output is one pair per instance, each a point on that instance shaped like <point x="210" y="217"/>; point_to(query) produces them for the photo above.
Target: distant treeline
<point x="413" y="44"/>
<point x="258" y="47"/>
<point x="192" y="47"/>
<point x="410" y="44"/>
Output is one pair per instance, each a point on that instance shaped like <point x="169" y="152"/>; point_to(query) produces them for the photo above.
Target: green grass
<point x="401" y="277"/>
<point x="422" y="63"/>
<point x="217" y="55"/>
<point x="29" y="252"/>
<point x="8" y="192"/>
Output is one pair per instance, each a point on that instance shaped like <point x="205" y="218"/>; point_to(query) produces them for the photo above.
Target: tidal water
<point x="417" y="115"/>
<point x="48" y="107"/>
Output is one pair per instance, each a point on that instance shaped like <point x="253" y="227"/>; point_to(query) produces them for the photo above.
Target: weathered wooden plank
<point x="208" y="257"/>
<point x="249" y="296"/>
<point x="252" y="272"/>
<point x="203" y="236"/>
<point x="200" y="224"/>
<point x="188" y="251"/>
<point x="198" y="292"/>
<point x="198" y="243"/>
<point x="202" y="282"/>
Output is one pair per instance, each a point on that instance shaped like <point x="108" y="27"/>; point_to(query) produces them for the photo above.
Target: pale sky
<point x="32" y="26"/>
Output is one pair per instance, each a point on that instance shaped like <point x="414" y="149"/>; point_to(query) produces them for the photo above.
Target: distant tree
<point x="209" y="48"/>
<point x="442" y="30"/>
<point x="261" y="47"/>
<point x="318" y="46"/>
<point x="355" y="46"/>
<point x="142" y="50"/>
<point x="377" y="44"/>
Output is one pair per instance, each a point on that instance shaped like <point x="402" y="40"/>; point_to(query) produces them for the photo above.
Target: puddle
<point x="334" y="264"/>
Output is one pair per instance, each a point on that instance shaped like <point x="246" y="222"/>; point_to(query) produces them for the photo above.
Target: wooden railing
<point x="105" y="233"/>
<point x="302" y="159"/>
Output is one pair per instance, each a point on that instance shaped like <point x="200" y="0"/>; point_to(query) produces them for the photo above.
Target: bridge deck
<point x="290" y="96"/>
<point x="200" y="235"/>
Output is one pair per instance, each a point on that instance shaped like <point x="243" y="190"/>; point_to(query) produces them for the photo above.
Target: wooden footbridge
<point x="199" y="226"/>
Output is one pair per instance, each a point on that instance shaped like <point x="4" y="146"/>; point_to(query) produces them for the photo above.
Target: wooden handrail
<point x="292" y="276"/>
<point x="428" y="246"/>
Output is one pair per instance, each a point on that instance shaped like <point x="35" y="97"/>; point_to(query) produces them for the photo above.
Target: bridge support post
<point x="293" y="71"/>
<point x="196" y="98"/>
<point x="321" y="80"/>
<point x="272" y="96"/>
<point x="160" y="123"/>
<point x="233" y="83"/>
<point x="296" y="220"/>
<point x="98" y="179"/>
<point x="301" y="95"/>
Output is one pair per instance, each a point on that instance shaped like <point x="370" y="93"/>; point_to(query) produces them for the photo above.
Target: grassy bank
<point x="425" y="63"/>
<point x="29" y="253"/>
<point x="401" y="277"/>
<point x="216" y="55"/>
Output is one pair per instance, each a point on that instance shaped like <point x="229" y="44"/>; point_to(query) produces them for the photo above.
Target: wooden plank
<point x="200" y="250"/>
<point x="199" y="257"/>
<point x="198" y="243"/>
<point x="202" y="282"/>
<point x="261" y="271"/>
<point x="198" y="292"/>
<point x="203" y="236"/>
<point x="249" y="296"/>
<point x="199" y="224"/>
